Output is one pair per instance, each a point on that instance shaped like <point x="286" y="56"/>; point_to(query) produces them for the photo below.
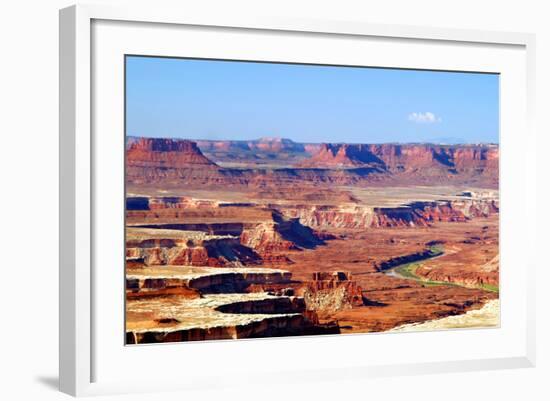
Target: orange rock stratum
<point x="243" y="239"/>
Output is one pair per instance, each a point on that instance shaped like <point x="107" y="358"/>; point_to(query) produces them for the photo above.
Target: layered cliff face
<point x="342" y="155"/>
<point x="415" y="214"/>
<point x="408" y="158"/>
<point x="160" y="160"/>
<point x="153" y="246"/>
<point x="331" y="291"/>
<point x="162" y="152"/>
<point x="272" y="238"/>
<point x="275" y="162"/>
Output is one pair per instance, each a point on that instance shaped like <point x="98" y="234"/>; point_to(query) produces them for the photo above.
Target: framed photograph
<point x="251" y="192"/>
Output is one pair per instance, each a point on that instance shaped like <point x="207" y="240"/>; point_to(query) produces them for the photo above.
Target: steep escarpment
<point x="153" y="246"/>
<point x="271" y="239"/>
<point x="161" y="160"/>
<point x="331" y="291"/>
<point x="342" y="155"/>
<point x="214" y="244"/>
<point x="184" y="164"/>
<point x="165" y="152"/>
<point x="422" y="159"/>
<point x="414" y="214"/>
<point x="182" y="303"/>
<point x="275" y="162"/>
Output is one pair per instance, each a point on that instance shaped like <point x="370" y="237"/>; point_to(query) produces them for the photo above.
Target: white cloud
<point x="424" y="118"/>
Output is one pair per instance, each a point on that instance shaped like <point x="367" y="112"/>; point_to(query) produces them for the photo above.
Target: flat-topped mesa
<point x="408" y="157"/>
<point x="486" y="158"/>
<point x="149" y="247"/>
<point x="275" y="144"/>
<point x="264" y="144"/>
<point x="413" y="214"/>
<point x="160" y="280"/>
<point x="166" y="152"/>
<point x="342" y="155"/>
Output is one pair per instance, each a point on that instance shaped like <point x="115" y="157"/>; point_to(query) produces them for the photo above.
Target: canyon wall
<point x="411" y="215"/>
<point x="395" y="158"/>
<point x="160" y="152"/>
<point x="173" y="162"/>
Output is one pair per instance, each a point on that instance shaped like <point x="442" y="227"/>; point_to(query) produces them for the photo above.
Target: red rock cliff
<point x="164" y="152"/>
<point x="404" y="158"/>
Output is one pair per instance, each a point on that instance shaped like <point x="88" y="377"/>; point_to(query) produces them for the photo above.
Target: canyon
<point x="282" y="163"/>
<point x="262" y="238"/>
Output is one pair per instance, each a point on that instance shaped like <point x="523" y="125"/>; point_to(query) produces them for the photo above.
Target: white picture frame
<point x="78" y="163"/>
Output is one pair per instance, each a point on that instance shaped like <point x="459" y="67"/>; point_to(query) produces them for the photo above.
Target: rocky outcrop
<point x="331" y="291"/>
<point x="189" y="248"/>
<point x="266" y="306"/>
<point x="342" y="155"/>
<point x="272" y="239"/>
<point x="414" y="214"/>
<point x="176" y="162"/>
<point x="201" y="280"/>
<point x="421" y="159"/>
<point x="165" y="152"/>
<point x="266" y="238"/>
<point x="219" y="312"/>
<point x="272" y="326"/>
<point x="324" y="216"/>
<point x="155" y="160"/>
<point x="468" y="279"/>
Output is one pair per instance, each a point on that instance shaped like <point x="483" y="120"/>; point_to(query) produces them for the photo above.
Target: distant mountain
<point x="266" y="150"/>
<point x="266" y="144"/>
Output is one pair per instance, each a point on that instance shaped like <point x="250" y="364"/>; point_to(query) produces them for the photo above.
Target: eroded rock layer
<point x="219" y="307"/>
<point x="414" y="214"/>
<point x="174" y="162"/>
<point x="270" y="237"/>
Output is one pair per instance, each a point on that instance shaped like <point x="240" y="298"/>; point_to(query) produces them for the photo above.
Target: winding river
<point x="487" y="316"/>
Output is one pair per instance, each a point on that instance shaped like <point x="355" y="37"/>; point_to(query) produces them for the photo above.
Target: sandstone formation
<point x="160" y="152"/>
<point x="275" y="162"/>
<point x="423" y="159"/>
<point x="201" y="280"/>
<point x="192" y="248"/>
<point x="414" y="214"/>
<point x="219" y="307"/>
<point x="243" y="239"/>
<point x="332" y="291"/>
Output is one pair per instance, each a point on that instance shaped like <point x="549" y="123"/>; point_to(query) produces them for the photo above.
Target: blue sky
<point x="202" y="99"/>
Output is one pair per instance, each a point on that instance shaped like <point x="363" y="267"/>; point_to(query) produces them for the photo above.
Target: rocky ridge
<point x="173" y="162"/>
<point x="395" y="158"/>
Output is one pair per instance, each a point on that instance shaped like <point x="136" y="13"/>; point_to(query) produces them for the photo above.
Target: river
<point x="487" y="316"/>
